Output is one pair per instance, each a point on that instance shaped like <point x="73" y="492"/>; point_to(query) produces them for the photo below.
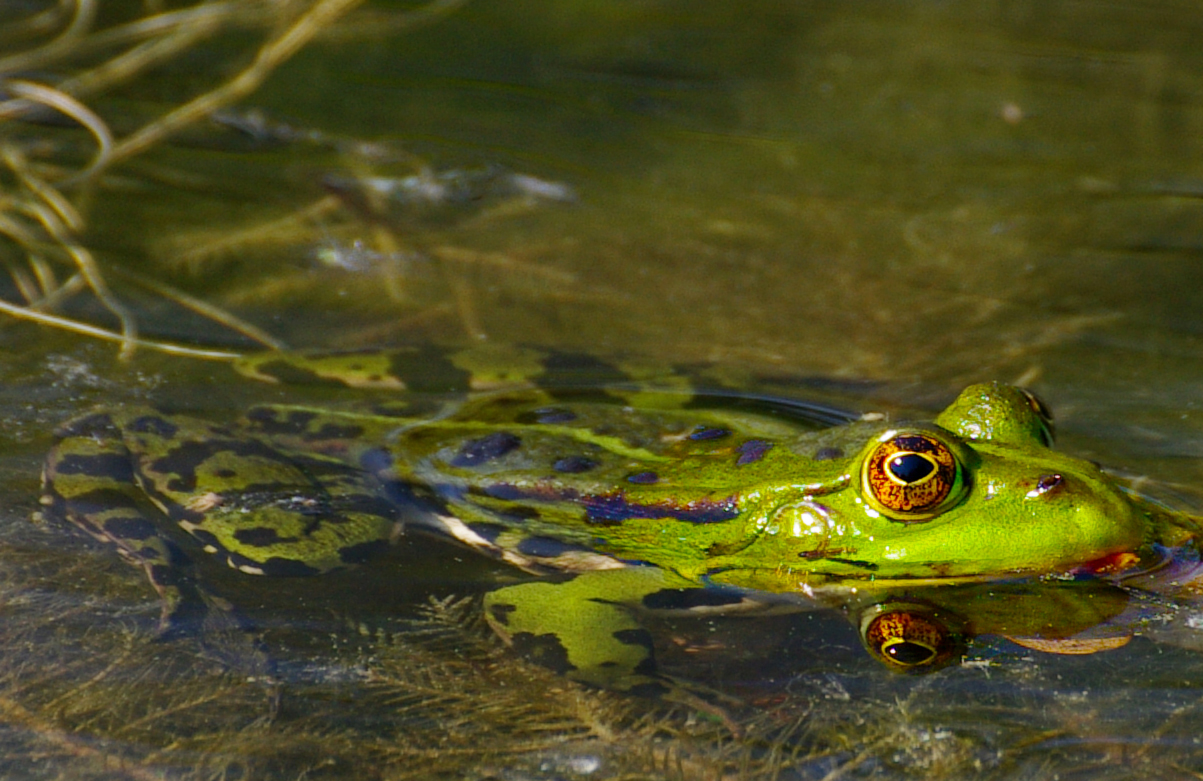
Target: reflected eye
<point x="910" y="639"/>
<point x="911" y="477"/>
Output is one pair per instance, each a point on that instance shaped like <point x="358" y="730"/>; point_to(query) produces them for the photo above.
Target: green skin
<point x="658" y="504"/>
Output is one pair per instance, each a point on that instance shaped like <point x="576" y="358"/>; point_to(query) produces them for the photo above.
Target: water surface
<point x="893" y="198"/>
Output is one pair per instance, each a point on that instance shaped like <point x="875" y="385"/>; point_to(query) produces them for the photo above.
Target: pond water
<point x="872" y="204"/>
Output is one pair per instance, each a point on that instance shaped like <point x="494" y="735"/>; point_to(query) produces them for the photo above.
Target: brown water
<point x="917" y="194"/>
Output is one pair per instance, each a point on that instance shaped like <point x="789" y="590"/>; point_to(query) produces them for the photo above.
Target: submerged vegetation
<point x="49" y="188"/>
<point x="36" y="215"/>
<point x="436" y="696"/>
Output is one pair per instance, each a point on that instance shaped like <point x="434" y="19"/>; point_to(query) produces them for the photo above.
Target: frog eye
<point x="910" y="639"/>
<point x="911" y="476"/>
<point x="1048" y="431"/>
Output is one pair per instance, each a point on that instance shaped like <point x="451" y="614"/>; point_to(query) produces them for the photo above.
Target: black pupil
<point x="909" y="653"/>
<point x="910" y="468"/>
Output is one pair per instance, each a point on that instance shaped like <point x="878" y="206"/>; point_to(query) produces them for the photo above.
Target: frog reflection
<point x="922" y="630"/>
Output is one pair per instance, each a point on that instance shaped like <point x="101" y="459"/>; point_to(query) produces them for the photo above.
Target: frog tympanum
<point x="634" y="500"/>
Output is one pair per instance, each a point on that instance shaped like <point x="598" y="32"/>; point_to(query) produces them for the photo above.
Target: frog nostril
<point x="1045" y="485"/>
<point x="1048" y="482"/>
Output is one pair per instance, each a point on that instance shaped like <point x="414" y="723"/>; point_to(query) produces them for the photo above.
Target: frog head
<point x="981" y="493"/>
<point x="977" y="494"/>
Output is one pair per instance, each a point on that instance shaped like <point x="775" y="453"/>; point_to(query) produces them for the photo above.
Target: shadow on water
<point x="863" y="207"/>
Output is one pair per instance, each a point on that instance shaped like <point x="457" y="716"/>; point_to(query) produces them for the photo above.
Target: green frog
<point x="627" y="499"/>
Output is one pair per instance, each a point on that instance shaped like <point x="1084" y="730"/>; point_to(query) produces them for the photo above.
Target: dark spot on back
<point x="616" y="507"/>
<point x="521" y="512"/>
<point x="547" y="416"/>
<point x="574" y="465"/>
<point x="101" y="500"/>
<point x="272" y="421"/>
<point x="612" y="508"/>
<point x="580" y="377"/>
<point x="639" y="636"/>
<point x="643" y="638"/>
<point x="545" y="650"/>
<point x="703" y="434"/>
<point x="504" y="491"/>
<point x="182" y="461"/>
<point x="490" y="531"/>
<point x="752" y="451"/>
<point x="206" y="538"/>
<point x="643" y="478"/>
<point x="581" y="369"/>
<point x="108" y="466"/>
<point x="428" y="370"/>
<point x="480" y="451"/>
<point x="828" y="454"/>
<point x="501" y="613"/>
<point x="260" y="537"/>
<point x="686" y="598"/>
<point x="546" y="547"/>
<point x="153" y="424"/>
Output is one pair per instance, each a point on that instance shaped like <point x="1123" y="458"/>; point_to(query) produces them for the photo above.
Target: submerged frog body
<point x="649" y="501"/>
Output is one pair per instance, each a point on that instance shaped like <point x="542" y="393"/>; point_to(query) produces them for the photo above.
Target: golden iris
<point x="910" y="476"/>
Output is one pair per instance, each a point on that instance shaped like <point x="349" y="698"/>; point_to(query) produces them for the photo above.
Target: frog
<point x="618" y="497"/>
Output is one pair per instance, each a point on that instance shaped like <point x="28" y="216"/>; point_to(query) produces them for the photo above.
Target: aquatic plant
<point x="45" y="189"/>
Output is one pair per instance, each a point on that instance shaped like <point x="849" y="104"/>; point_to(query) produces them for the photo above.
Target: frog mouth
<point x="1159" y="568"/>
<point x="1129" y="569"/>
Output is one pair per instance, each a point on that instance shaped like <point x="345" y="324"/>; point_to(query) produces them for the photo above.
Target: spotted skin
<point x="128" y="477"/>
<point x="635" y="497"/>
<point x="94" y="487"/>
<point x="531" y="616"/>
